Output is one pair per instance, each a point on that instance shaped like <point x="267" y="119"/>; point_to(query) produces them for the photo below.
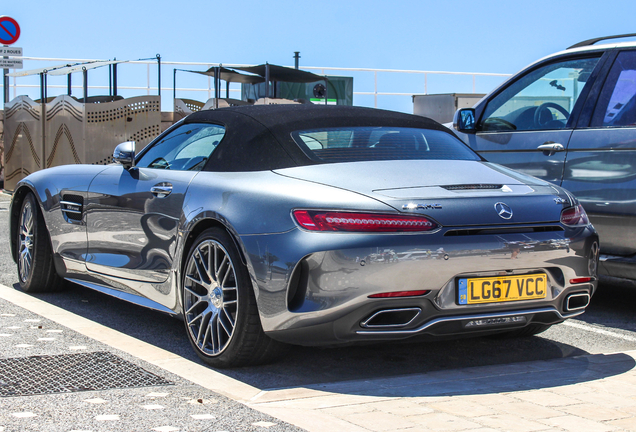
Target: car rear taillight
<point x="362" y="222"/>
<point x="574" y="216"/>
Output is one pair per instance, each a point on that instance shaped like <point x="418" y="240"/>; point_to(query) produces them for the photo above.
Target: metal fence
<point x="379" y="88"/>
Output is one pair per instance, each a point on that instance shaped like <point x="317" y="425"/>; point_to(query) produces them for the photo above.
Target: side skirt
<point x="131" y="298"/>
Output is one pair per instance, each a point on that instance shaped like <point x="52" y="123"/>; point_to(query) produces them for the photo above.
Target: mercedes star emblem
<point x="503" y="210"/>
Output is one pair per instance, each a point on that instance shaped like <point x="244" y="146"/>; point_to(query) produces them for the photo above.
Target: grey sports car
<point x="309" y="225"/>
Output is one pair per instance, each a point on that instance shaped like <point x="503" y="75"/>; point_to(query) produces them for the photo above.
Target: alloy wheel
<point x="593" y="260"/>
<point x="210" y="297"/>
<point x="26" y="233"/>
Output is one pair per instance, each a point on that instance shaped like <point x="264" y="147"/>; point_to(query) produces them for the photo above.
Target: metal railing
<point x="379" y="86"/>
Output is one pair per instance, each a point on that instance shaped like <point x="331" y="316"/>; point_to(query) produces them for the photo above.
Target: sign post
<point x="9" y="34"/>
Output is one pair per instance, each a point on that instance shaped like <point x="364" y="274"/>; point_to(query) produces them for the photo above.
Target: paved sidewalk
<point x="586" y="393"/>
<point x="582" y="394"/>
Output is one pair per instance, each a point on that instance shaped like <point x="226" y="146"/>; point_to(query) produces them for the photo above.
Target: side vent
<point x="73" y="208"/>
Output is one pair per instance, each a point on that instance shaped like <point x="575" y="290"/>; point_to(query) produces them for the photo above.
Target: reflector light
<point x="581" y="280"/>
<point x="400" y="294"/>
<point x="574" y="216"/>
<point x="362" y="222"/>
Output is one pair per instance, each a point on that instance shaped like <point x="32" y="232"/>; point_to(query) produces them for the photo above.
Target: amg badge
<point x="413" y="206"/>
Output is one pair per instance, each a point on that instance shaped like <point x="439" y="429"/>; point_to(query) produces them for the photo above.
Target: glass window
<point x="186" y="148"/>
<point x="349" y="144"/>
<point x="541" y="99"/>
<point x="617" y="103"/>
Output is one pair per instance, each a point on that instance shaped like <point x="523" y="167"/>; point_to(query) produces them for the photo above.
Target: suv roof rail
<point x="593" y="41"/>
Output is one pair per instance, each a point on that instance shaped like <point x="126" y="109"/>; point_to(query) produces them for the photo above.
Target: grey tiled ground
<point x="183" y="406"/>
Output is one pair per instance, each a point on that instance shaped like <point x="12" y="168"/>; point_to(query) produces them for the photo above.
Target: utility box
<point x="442" y="107"/>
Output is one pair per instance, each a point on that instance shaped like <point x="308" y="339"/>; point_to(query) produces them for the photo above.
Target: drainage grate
<point x="66" y="373"/>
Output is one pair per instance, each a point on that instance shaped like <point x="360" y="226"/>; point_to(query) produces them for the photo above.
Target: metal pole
<point x="5" y="81"/>
<point x="267" y="80"/>
<point x="43" y="119"/>
<point x="46" y="91"/>
<point x="69" y="86"/>
<point x="227" y="89"/>
<point x="42" y="87"/>
<point x="174" y="83"/>
<point x="296" y="58"/>
<point x="375" y="95"/>
<point x="159" y="74"/>
<point x="85" y="74"/>
<point x="114" y="79"/>
<point x="110" y="79"/>
<point x="326" y="92"/>
<point x="216" y="86"/>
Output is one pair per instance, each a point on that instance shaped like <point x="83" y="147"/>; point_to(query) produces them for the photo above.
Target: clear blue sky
<point x="469" y="36"/>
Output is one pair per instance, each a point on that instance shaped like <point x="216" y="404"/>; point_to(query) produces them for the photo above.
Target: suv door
<point x="601" y="163"/>
<point x="528" y="123"/>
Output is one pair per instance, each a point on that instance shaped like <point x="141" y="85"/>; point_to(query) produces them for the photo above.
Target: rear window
<point x="380" y="143"/>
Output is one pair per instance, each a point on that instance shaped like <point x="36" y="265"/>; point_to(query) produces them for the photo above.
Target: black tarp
<point x="281" y="73"/>
<point x="229" y="75"/>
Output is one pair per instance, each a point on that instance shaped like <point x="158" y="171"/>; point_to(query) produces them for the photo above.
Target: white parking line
<point x="595" y="329"/>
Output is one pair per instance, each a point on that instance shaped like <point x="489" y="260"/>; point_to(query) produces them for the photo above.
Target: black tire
<point x="527" y="331"/>
<point x="36" y="270"/>
<point x="219" y="307"/>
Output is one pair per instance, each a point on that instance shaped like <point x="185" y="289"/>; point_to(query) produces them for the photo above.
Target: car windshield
<point x="352" y="144"/>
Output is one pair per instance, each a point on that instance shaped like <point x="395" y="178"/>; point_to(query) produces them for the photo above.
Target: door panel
<point x="527" y="125"/>
<point x="132" y="231"/>
<point x="601" y="162"/>
<point x="134" y="214"/>
<point x="601" y="172"/>
<point x="520" y="151"/>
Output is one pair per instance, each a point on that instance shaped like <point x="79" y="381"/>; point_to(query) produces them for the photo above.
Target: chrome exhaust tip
<point x="578" y="301"/>
<point x="391" y="318"/>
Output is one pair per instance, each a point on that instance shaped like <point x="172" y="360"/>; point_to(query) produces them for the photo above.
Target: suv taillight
<point x="574" y="216"/>
<point x="361" y="222"/>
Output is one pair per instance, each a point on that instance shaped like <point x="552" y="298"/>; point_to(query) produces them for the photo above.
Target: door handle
<point x="549" y="148"/>
<point x="161" y="190"/>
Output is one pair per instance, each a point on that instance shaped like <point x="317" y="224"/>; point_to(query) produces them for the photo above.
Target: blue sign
<point x="9" y="30"/>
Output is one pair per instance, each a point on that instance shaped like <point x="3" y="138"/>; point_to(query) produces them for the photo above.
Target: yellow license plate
<point x="502" y="288"/>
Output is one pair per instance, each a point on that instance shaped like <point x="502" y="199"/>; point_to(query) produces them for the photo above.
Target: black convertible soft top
<point x="259" y="137"/>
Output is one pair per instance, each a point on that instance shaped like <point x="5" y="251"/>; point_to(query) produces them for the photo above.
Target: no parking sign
<point x="9" y="30"/>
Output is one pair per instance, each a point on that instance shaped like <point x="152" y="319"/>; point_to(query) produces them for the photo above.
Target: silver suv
<point x="570" y="118"/>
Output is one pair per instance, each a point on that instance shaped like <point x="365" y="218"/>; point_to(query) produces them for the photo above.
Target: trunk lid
<point x="454" y="193"/>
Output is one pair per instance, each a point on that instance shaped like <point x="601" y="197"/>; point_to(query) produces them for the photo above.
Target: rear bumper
<point x="314" y="288"/>
<point x="344" y="331"/>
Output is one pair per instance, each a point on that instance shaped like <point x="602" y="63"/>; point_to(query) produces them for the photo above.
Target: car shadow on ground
<point x="612" y="304"/>
<point x="311" y="366"/>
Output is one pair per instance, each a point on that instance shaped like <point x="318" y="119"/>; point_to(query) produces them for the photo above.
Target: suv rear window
<point x="352" y="144"/>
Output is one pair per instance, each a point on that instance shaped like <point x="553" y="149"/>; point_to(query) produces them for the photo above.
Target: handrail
<point x="322" y="69"/>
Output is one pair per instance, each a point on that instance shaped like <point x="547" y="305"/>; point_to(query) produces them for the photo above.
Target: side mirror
<point x="125" y="154"/>
<point x="464" y="120"/>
